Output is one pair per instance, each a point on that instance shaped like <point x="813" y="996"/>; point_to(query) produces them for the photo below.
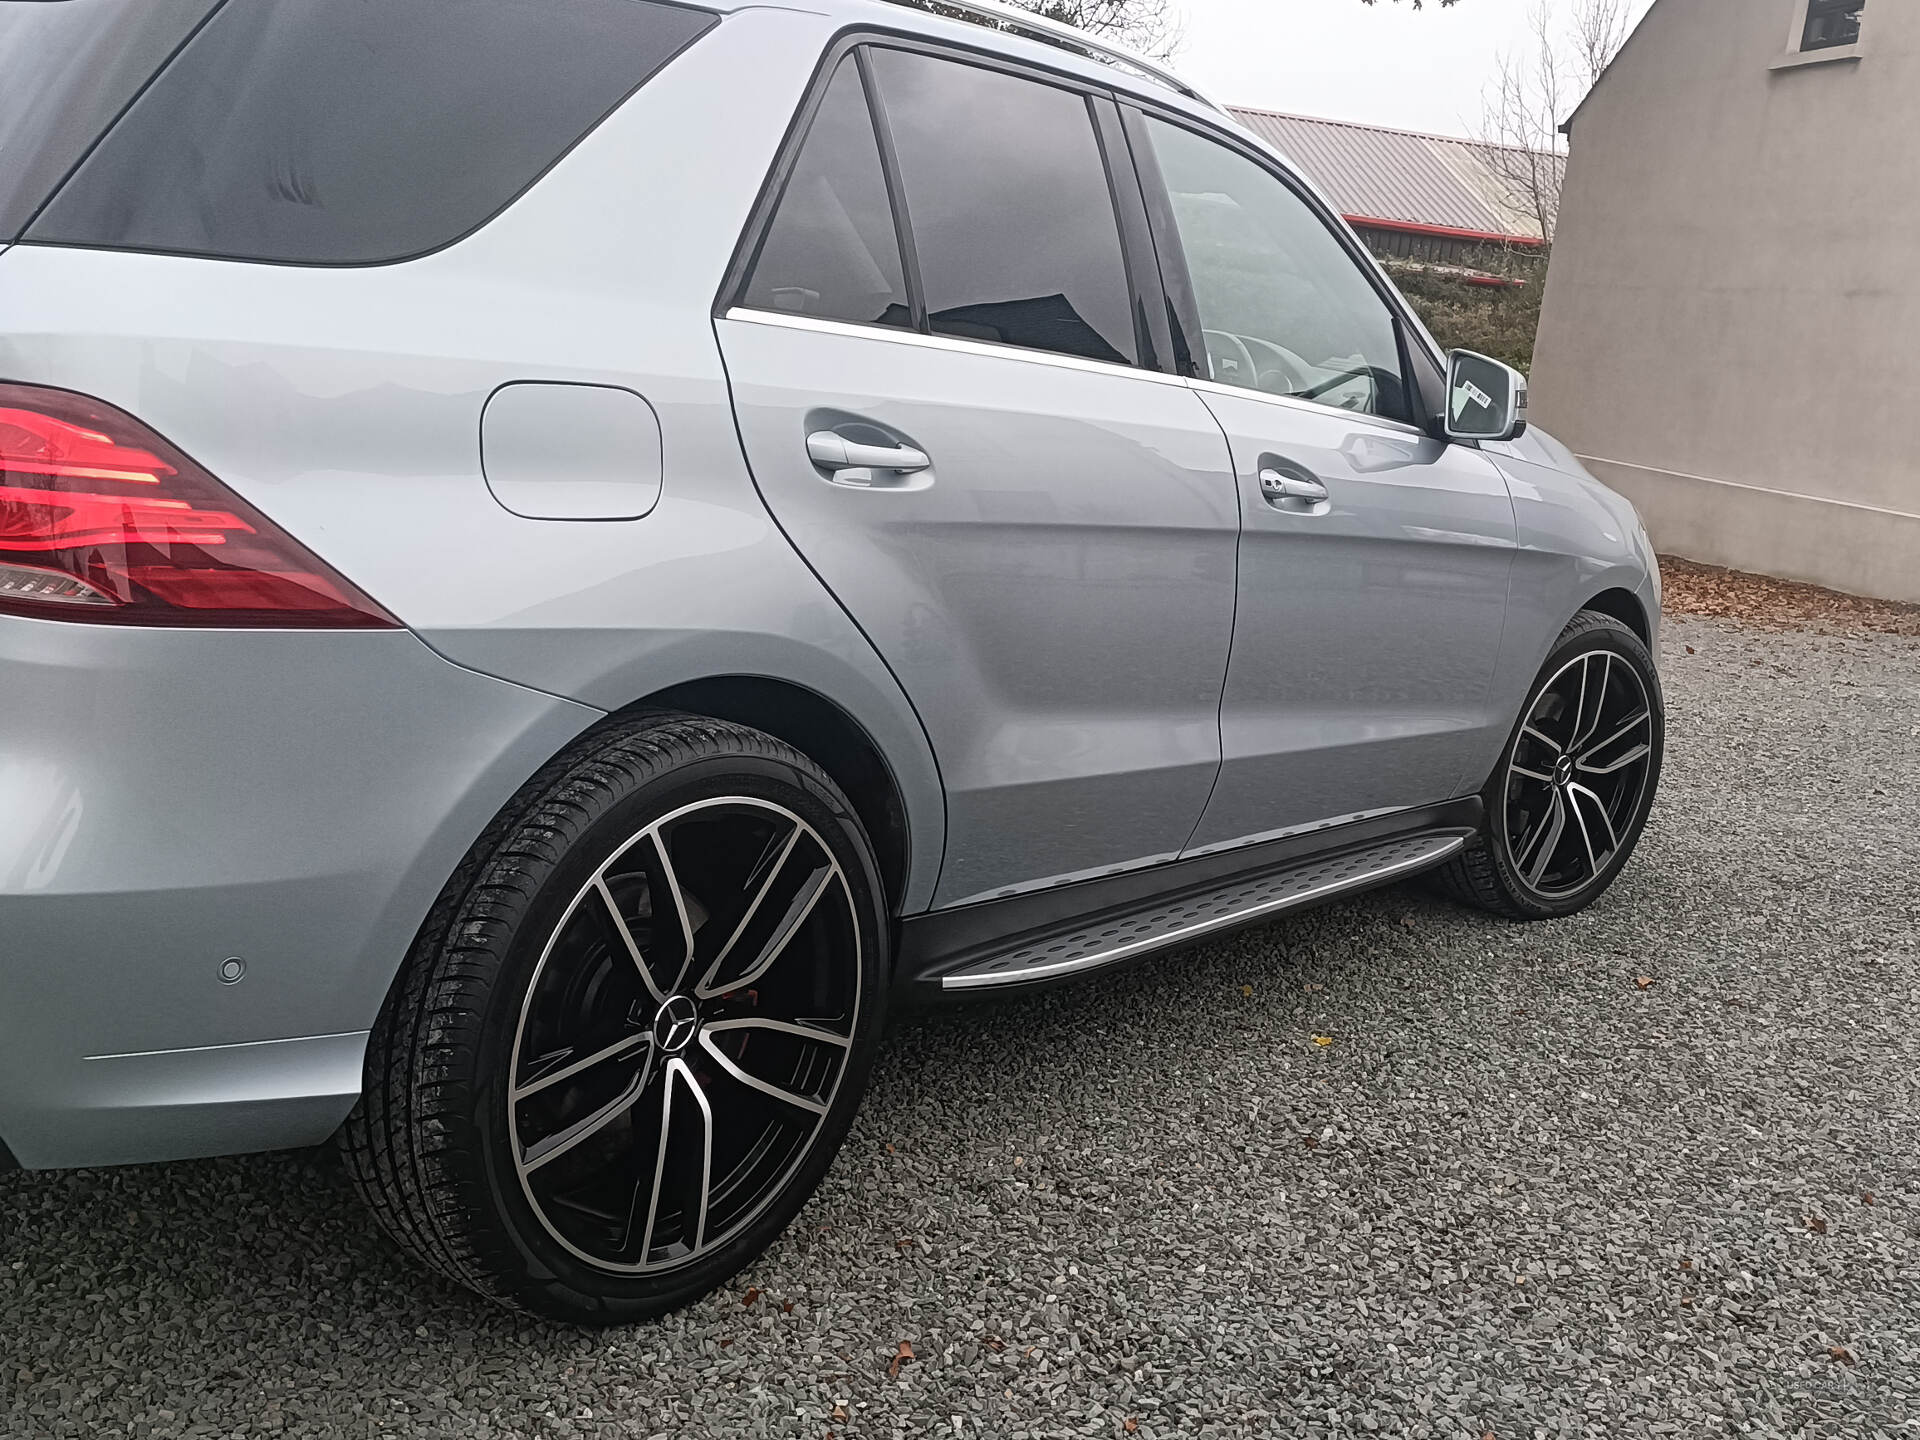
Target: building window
<point x="1831" y="23"/>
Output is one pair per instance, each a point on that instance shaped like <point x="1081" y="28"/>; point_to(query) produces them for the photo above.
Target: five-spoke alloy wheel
<point x="636" y="1029"/>
<point x="1570" y="796"/>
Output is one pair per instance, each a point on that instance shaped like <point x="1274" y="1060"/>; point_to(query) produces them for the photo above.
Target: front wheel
<point x="1568" y="800"/>
<point x="635" y="1030"/>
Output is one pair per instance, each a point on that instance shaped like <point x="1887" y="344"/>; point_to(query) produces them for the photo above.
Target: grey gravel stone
<point x="1517" y="1194"/>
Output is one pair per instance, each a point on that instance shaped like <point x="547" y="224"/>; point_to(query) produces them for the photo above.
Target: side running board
<point x="1109" y="940"/>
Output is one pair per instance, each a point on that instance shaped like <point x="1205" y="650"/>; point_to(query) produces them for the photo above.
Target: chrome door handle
<point x="1276" y="486"/>
<point x="835" y="452"/>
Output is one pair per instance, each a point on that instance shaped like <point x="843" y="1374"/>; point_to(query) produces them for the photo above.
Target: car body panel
<point x="1367" y="629"/>
<point x="1576" y="540"/>
<point x="175" y="799"/>
<point x="1055" y="592"/>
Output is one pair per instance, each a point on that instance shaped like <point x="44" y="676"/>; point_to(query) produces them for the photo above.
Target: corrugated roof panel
<point x="1396" y="175"/>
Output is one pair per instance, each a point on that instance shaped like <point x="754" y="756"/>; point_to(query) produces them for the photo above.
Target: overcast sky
<point x="1384" y="64"/>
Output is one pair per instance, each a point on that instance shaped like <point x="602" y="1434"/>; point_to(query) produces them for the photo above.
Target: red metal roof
<point x="1399" y="179"/>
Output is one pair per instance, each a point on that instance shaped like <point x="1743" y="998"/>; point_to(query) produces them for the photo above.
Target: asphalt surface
<point x="1520" y="1193"/>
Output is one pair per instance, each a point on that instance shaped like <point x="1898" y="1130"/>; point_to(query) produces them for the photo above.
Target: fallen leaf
<point x="1768" y="604"/>
<point x="890" y="1149"/>
<point x="1323" y="1039"/>
<point x="1686" y="1300"/>
<point x="1247" y="990"/>
<point x="753" y="1294"/>
<point x="1488" y="1436"/>
<point x="1519" y="1279"/>
<point x="1692" y="651"/>
<point x="903" y="1244"/>
<point x="1018" y="1161"/>
<point x="1686" y="1264"/>
<point x="1315" y="985"/>
<point x="1866" y="1197"/>
<point x="1311" y="1141"/>
<point x="786" y="1307"/>
<point x="906" y="1354"/>
<point x="1817" y="1224"/>
<point x="1643" y="981"/>
<point x="1842" y="1354"/>
<point x="726" y="1342"/>
<point x="1131" y="1425"/>
<point x="839" y="1412"/>
<point x="996" y="1344"/>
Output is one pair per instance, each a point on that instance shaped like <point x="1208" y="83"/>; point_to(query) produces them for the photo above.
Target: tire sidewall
<point x="539" y="1272"/>
<point x="1589" y="634"/>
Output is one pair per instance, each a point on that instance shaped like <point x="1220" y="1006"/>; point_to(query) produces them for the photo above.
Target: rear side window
<point x="323" y="132"/>
<point x="832" y="250"/>
<point x="67" y="67"/>
<point x="1006" y="195"/>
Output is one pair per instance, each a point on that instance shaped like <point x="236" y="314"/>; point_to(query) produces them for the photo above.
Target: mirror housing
<point x="1486" y="400"/>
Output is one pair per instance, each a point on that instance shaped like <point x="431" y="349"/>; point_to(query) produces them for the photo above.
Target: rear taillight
<point x="102" y="520"/>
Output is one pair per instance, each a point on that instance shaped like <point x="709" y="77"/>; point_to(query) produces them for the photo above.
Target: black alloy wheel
<point x="636" y="1028"/>
<point x="1568" y="801"/>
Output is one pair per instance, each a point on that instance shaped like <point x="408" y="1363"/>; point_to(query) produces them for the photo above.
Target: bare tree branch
<point x="1152" y="27"/>
<point x="1530" y="95"/>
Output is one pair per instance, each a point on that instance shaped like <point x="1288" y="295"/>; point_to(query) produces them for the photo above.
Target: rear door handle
<point x="1294" y="491"/>
<point x="835" y="452"/>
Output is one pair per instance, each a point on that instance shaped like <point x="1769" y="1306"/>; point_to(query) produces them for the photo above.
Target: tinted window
<point x="1007" y="197"/>
<point x="327" y="132"/>
<point x="832" y="249"/>
<point x="1285" y="307"/>
<point x="66" y="69"/>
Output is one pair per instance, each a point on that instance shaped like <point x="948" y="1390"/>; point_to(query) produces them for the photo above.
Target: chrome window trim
<point x="1294" y="402"/>
<point x="950" y="343"/>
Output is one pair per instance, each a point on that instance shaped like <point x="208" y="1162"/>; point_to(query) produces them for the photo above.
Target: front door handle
<point x="835" y="452"/>
<point x="1293" y="490"/>
<point x="1277" y="486"/>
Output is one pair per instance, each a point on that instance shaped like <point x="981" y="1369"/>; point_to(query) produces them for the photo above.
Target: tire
<point x="532" y="1065"/>
<point x="1601" y="785"/>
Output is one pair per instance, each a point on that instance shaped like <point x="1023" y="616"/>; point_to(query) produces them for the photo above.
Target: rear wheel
<point x="1567" y="802"/>
<point x="635" y="1031"/>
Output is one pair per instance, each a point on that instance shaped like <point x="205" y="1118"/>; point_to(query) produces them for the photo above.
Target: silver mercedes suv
<point x="557" y="557"/>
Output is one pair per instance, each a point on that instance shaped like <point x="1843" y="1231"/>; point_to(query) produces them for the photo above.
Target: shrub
<point x="1495" y="320"/>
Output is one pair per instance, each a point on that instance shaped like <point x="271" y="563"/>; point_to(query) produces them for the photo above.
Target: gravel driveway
<point x="1523" y="1191"/>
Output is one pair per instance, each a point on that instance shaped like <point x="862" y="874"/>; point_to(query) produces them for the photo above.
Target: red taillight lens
<point x="101" y="519"/>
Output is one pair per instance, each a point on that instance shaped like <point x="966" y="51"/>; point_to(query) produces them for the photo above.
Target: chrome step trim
<point x="1217" y="910"/>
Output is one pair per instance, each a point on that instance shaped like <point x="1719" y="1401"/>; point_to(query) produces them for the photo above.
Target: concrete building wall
<point x="1731" y="328"/>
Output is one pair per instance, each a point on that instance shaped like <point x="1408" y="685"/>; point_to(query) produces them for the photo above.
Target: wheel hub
<point x="675" y="1024"/>
<point x="1563" y="771"/>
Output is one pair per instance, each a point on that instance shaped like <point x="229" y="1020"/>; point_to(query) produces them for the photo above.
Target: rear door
<point x="1374" y="559"/>
<point x="953" y="397"/>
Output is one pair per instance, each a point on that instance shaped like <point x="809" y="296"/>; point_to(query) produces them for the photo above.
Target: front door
<point x="1374" y="560"/>
<point x="1036" y="530"/>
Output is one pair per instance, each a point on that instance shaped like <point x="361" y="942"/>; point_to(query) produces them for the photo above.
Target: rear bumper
<point x="171" y="800"/>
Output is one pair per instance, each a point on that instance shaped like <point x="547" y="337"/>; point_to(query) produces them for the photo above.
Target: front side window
<point x="831" y="249"/>
<point x="1006" y="195"/>
<point x="1831" y="23"/>
<point x="1284" y="306"/>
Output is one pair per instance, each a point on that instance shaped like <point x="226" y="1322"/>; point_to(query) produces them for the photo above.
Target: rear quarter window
<point x="329" y="133"/>
<point x="67" y="67"/>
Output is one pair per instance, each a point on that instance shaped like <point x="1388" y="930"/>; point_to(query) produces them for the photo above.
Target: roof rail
<point x="999" y="15"/>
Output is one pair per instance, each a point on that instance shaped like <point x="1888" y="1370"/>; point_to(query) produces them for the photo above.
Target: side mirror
<point x="1485" y="399"/>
